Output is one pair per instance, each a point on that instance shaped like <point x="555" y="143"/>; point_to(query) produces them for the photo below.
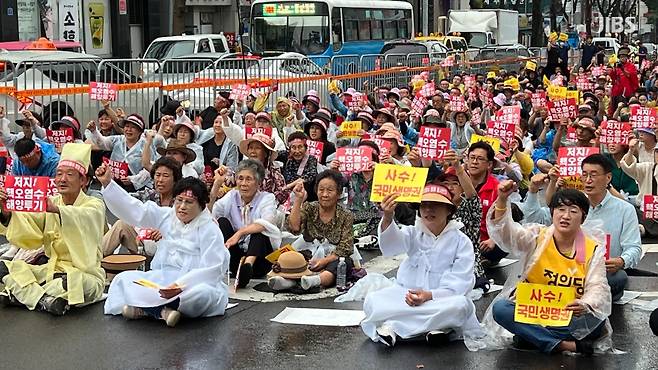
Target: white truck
<point x="485" y="27"/>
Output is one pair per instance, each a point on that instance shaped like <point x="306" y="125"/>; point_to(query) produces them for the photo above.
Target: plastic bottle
<point x="341" y="274"/>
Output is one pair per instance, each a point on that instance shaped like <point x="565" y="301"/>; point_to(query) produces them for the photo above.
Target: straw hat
<point x="176" y="146"/>
<point x="386" y="112"/>
<point x="291" y="265"/>
<point x="267" y="142"/>
<point x="388" y="126"/>
<point x="437" y="193"/>
<point x="122" y="262"/>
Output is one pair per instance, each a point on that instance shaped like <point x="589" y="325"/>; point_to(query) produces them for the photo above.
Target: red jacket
<point x="488" y="194"/>
<point x="622" y="85"/>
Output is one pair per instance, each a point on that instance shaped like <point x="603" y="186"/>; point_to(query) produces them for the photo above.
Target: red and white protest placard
<point x="509" y="114"/>
<point x="239" y="92"/>
<point x="251" y="131"/>
<point x="119" y="169"/>
<point x="60" y="137"/>
<point x="469" y="81"/>
<point x="102" y="91"/>
<point x="457" y="103"/>
<point x="315" y="148"/>
<point x="614" y="132"/>
<point x="354" y="159"/>
<point x="26" y="193"/>
<point x="144" y="234"/>
<point x="418" y="105"/>
<point x="583" y="83"/>
<point x="571" y="133"/>
<point x="538" y="100"/>
<point x="384" y="145"/>
<point x="570" y="158"/>
<point x="428" y="90"/>
<point x="448" y="62"/>
<point x="503" y="131"/>
<point x="433" y="142"/>
<point x="650" y="207"/>
<point x="561" y="108"/>
<point x="598" y="71"/>
<point x="208" y="174"/>
<point x="643" y="117"/>
<point x="10" y="165"/>
<point x="486" y="97"/>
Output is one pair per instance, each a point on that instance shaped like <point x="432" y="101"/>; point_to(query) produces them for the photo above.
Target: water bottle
<point x="341" y="274"/>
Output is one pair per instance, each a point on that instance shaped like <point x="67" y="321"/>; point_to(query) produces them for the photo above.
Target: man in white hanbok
<point x="189" y="264"/>
<point x="432" y="283"/>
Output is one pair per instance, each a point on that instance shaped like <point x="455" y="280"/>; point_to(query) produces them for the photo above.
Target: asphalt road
<point x="245" y="338"/>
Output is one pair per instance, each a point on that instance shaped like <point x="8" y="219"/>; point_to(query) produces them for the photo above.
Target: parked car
<point x="56" y="70"/>
<point x="500" y="53"/>
<point x="175" y="46"/>
<point x="608" y="43"/>
<point x="452" y="43"/>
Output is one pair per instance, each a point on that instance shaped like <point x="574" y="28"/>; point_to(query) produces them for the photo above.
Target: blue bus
<point x="326" y="28"/>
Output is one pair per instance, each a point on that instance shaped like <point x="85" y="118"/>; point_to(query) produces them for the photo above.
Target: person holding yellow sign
<point x="556" y="257"/>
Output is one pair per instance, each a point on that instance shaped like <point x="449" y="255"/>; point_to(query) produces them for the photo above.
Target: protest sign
<point x="102" y="91"/>
<point x="239" y="92"/>
<point x="350" y="129"/>
<point x="643" y="117"/>
<point x="538" y="100"/>
<point x="60" y="137"/>
<point x="493" y="141"/>
<point x="570" y="158"/>
<point x="543" y="304"/>
<point x="509" y="115"/>
<point x="650" y="207"/>
<point x="354" y="159"/>
<point x="573" y="94"/>
<point x="614" y="132"/>
<point x="428" y="90"/>
<point x="119" y="169"/>
<point x="406" y="181"/>
<point x="418" y="104"/>
<point x="503" y="131"/>
<point x="274" y="256"/>
<point x="315" y="148"/>
<point x="487" y="98"/>
<point x="26" y="193"/>
<point x="384" y="145"/>
<point x="556" y="92"/>
<point x="457" y="103"/>
<point x="598" y="71"/>
<point x="251" y="131"/>
<point x="561" y="108"/>
<point x="433" y="142"/>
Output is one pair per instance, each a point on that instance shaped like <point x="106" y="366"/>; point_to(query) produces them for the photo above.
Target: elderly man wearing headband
<point x="70" y="231"/>
<point x="34" y="159"/>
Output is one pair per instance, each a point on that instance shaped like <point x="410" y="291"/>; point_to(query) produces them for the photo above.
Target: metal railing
<point x="57" y="88"/>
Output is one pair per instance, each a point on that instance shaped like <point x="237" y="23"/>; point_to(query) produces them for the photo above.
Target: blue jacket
<point x="47" y="166"/>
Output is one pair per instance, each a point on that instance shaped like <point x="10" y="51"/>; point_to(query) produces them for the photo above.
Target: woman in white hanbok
<point x="189" y="264"/>
<point x="432" y="283"/>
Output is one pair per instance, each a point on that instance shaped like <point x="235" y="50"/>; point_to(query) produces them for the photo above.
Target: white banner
<point x="98" y="39"/>
<point x="28" y="19"/>
<point x="69" y="21"/>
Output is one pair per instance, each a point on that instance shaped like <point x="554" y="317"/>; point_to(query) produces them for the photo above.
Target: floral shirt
<point x="359" y="193"/>
<point x="148" y="194"/>
<point x="275" y="183"/>
<point x="469" y="213"/>
<point x="338" y="231"/>
<point x="290" y="170"/>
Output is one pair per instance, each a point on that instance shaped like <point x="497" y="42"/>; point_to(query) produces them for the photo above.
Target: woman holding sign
<point x="559" y="261"/>
<point x="186" y="276"/>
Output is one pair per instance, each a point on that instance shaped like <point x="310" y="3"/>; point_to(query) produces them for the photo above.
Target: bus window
<point x="336" y="29"/>
<point x="376" y="26"/>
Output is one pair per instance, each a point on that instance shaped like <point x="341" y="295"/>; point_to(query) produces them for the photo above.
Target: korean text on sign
<point x="251" y="131"/>
<point x="503" y="131"/>
<point x="409" y="182"/>
<point x="315" y="148"/>
<point x="510" y="115"/>
<point x="384" y="145"/>
<point x="354" y="159"/>
<point x="543" y="304"/>
<point x="351" y="129"/>
<point x="239" y="92"/>
<point x="557" y="92"/>
<point x="119" y="169"/>
<point x="651" y="207"/>
<point x="428" y="90"/>
<point x="561" y="108"/>
<point x="102" y="91"/>
<point x="570" y="158"/>
<point x="457" y="103"/>
<point x="26" y="193"/>
<point x="418" y="105"/>
<point x="538" y="100"/>
<point x="433" y="142"/>
<point x="643" y="117"/>
<point x="613" y="132"/>
<point x="60" y="137"/>
<point x="493" y="141"/>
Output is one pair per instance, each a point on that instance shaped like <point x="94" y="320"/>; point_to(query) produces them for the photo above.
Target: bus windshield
<point x="290" y="27"/>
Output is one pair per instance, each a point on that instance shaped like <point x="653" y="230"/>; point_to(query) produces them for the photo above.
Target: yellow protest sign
<point x="493" y="141"/>
<point x="543" y="304"/>
<point x="573" y="94"/>
<point x="350" y="129"/>
<point x="573" y="182"/>
<point x="409" y="182"/>
<point x="333" y="87"/>
<point x="546" y="81"/>
<point x="556" y="92"/>
<point x="531" y="65"/>
<point x="274" y="256"/>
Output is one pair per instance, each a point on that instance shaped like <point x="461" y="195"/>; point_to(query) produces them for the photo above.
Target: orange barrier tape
<point x="370" y="73"/>
<point x="56" y="91"/>
<point x="7" y="90"/>
<point x="138" y="86"/>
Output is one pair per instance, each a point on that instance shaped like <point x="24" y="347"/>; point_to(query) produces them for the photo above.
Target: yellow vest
<point x="554" y="268"/>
